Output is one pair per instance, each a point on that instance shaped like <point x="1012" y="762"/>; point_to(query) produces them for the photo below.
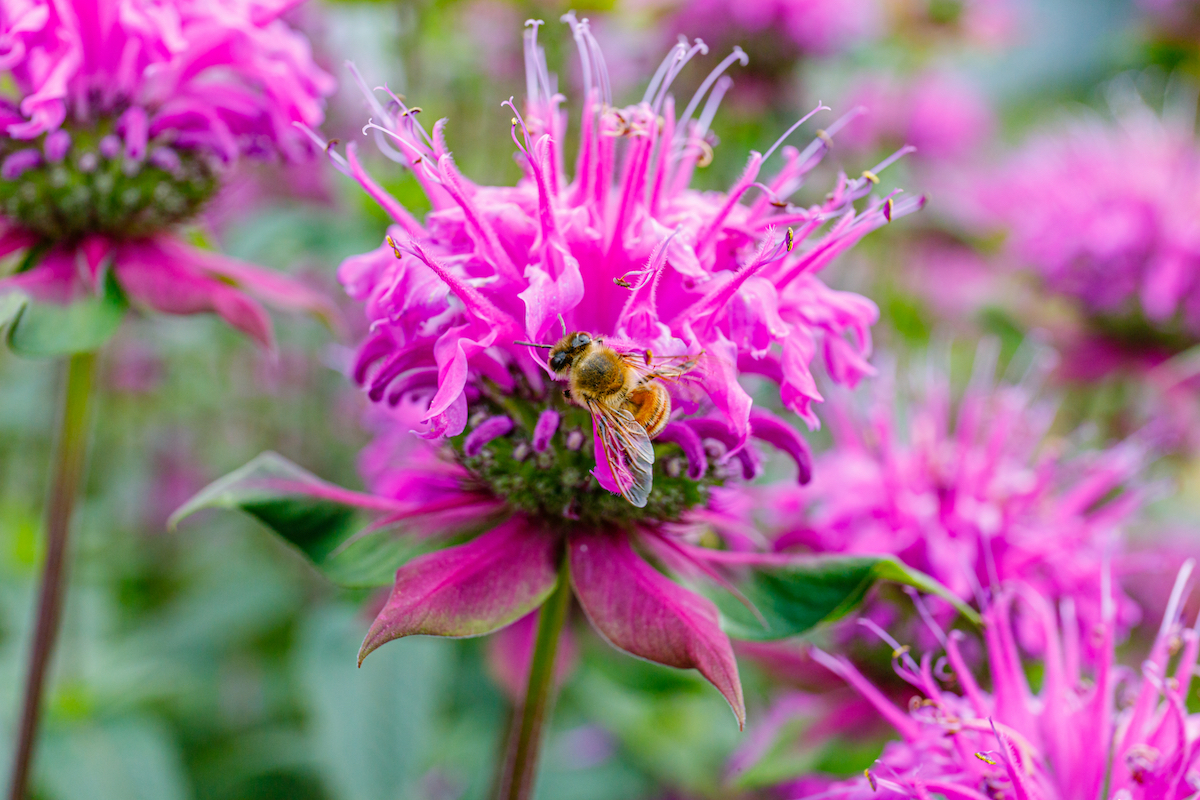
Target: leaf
<point x="794" y="598"/>
<point x="11" y="305"/>
<point x="315" y="517"/>
<point x="41" y="330"/>
<point x="370" y="727"/>
<point x="122" y="759"/>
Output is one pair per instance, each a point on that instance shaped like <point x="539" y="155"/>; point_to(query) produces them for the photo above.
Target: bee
<point x="627" y="400"/>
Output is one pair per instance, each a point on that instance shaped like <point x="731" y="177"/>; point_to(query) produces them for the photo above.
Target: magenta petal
<point x="641" y="611"/>
<point x="150" y="278"/>
<point x="471" y="589"/>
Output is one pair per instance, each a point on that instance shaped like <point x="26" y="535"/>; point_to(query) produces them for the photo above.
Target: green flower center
<point x="93" y="188"/>
<point x="556" y="484"/>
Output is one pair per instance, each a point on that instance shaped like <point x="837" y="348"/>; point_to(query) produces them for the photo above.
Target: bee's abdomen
<point x="650" y="405"/>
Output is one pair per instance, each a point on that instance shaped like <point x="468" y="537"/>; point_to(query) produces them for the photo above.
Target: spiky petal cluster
<point x="623" y="250"/>
<point x="975" y="492"/>
<point x="121" y="120"/>
<point x="1080" y="737"/>
<point x="1106" y="213"/>
<point x="228" y="78"/>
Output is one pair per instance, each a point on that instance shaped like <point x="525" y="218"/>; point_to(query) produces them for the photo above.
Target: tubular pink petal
<point x="545" y="428"/>
<point x="771" y="429"/>
<point x="491" y="428"/>
<point x="688" y="440"/>
<point x="380" y="195"/>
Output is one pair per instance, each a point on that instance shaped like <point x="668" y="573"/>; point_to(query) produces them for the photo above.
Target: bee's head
<point x="563" y="354"/>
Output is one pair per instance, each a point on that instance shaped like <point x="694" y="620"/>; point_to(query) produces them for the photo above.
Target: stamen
<point x="676" y="52"/>
<point x="673" y="72"/>
<point x="797" y="124"/>
<point x="710" y="108"/>
<point x="338" y="161"/>
<point x="532" y="51"/>
<point x="1176" y="598"/>
<point x="372" y="100"/>
<point x="887" y="162"/>
<point x="824" y="137"/>
<point x="518" y="120"/>
<point x="737" y="55"/>
<point x="871" y="779"/>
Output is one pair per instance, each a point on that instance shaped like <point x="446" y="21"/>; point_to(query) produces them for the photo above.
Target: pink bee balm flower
<point x="1107" y="735"/>
<point x="124" y="117"/>
<point x="974" y="493"/>
<point x="816" y="27"/>
<point x="1107" y="214"/>
<point x="944" y="116"/>
<point x="626" y="253"/>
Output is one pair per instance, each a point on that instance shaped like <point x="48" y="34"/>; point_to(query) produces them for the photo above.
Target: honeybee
<point x="626" y="398"/>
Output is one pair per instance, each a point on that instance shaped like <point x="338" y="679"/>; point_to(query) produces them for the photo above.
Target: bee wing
<point x="627" y="451"/>
<point x="660" y="366"/>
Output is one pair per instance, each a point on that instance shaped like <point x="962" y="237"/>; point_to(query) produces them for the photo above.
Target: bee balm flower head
<point x="623" y="252"/>
<point x="1105" y="213"/>
<point x="685" y="288"/>
<point x="1106" y="734"/>
<point x="121" y="119"/>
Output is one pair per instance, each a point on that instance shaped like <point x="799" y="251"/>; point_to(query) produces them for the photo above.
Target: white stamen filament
<point x="675" y="53"/>
<point x="789" y="131"/>
<point x="737" y="55"/>
<point x="673" y="72"/>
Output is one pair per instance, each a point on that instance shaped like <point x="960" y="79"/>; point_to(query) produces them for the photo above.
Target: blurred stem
<point x="69" y="456"/>
<point x="521" y="769"/>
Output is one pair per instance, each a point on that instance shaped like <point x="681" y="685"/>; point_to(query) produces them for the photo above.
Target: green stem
<point x="70" y="454"/>
<point x="521" y="770"/>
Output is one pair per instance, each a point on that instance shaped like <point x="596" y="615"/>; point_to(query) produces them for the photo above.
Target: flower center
<point x="545" y="470"/>
<point x="76" y="182"/>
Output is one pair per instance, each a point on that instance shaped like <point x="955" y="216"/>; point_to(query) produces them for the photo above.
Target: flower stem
<point x="70" y="454"/>
<point x="521" y="770"/>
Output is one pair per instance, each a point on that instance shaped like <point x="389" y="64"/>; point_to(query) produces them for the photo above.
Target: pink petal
<point x="276" y="289"/>
<point x="469" y="590"/>
<point x="149" y="276"/>
<point x="644" y="613"/>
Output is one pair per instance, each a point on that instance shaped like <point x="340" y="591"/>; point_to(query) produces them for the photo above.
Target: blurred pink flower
<point x="1108" y="214"/>
<point x="944" y="116"/>
<point x="975" y="493"/>
<point x="127" y="115"/>
<point x="1112" y="734"/>
<point x="779" y="30"/>
<point x="624" y="251"/>
<point x="816" y="27"/>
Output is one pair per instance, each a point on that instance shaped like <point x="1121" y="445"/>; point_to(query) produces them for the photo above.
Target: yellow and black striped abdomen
<point x="650" y="405"/>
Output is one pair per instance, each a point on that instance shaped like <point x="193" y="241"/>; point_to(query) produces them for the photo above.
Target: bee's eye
<point x="581" y="340"/>
<point x="558" y="362"/>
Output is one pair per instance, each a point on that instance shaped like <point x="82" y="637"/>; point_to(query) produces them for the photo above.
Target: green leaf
<point x="41" y="330"/>
<point x="11" y="305"/>
<point x="794" y="598"/>
<point x="318" y="519"/>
